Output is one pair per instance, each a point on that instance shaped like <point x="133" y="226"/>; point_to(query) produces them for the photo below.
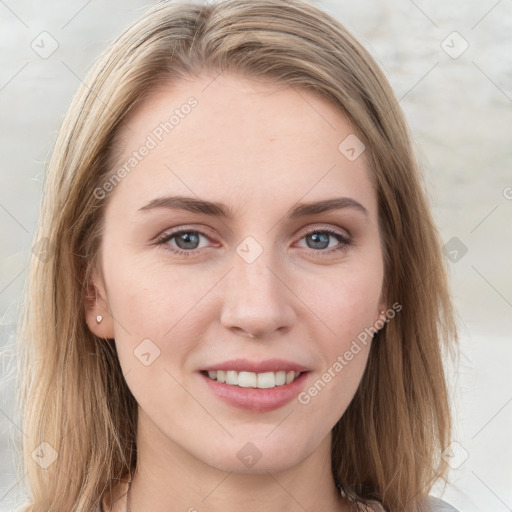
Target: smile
<point x="243" y="379"/>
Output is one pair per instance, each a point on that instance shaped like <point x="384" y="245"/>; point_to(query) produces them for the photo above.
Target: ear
<point x="97" y="310"/>
<point x="381" y="315"/>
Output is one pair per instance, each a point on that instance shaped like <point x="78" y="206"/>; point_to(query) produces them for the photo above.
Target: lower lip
<point x="255" y="399"/>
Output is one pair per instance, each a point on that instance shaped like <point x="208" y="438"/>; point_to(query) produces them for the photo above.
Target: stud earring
<point x="99" y="318"/>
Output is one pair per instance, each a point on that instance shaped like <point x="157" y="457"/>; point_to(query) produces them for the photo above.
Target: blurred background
<point x="450" y="64"/>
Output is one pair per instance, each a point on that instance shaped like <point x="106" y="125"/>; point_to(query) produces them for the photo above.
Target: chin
<point x="257" y="456"/>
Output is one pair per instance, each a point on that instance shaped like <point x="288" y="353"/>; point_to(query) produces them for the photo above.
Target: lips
<point x="268" y="365"/>
<point x="255" y="400"/>
<point x="250" y="398"/>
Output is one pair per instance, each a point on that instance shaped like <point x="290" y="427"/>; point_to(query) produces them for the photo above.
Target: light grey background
<point x="459" y="109"/>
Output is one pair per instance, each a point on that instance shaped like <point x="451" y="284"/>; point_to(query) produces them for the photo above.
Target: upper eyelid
<point x="172" y="232"/>
<point x="336" y="229"/>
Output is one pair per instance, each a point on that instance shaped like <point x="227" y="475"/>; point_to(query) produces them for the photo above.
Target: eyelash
<point x="345" y="241"/>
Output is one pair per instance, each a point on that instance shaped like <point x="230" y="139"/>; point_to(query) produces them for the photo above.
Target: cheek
<point x="151" y="300"/>
<point x="143" y="293"/>
<point x="346" y="302"/>
<point x="347" y="309"/>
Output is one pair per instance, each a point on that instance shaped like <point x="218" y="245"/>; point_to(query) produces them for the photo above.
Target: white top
<point x="432" y="505"/>
<point x="438" y="505"/>
<point x="435" y="505"/>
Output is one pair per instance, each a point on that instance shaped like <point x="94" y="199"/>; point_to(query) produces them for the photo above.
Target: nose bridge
<point x="255" y="277"/>
<point x="256" y="300"/>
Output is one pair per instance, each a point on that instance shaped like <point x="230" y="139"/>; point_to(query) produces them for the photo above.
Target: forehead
<point x="239" y="139"/>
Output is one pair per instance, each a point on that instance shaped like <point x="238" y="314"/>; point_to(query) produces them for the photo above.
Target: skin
<point x="259" y="149"/>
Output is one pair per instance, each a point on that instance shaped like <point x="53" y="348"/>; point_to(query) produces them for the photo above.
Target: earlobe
<point x="97" y="310"/>
<point x="382" y="317"/>
<point x="383" y="307"/>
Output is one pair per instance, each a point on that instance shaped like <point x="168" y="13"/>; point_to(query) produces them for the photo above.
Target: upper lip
<point x="268" y="365"/>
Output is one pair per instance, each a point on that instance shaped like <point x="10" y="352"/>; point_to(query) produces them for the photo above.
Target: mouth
<point x="255" y="392"/>
<point x="243" y="379"/>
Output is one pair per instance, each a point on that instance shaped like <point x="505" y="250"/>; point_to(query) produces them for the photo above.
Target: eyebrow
<point x="221" y="210"/>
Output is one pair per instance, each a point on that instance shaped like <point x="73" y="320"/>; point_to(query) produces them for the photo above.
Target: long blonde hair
<point x="72" y="395"/>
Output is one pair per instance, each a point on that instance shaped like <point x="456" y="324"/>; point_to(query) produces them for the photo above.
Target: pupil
<point x="316" y="237"/>
<point x="187" y="239"/>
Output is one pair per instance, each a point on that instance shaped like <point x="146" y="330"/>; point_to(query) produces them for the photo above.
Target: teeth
<point x="254" y="380"/>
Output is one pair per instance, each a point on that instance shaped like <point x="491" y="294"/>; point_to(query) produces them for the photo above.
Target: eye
<point x="185" y="241"/>
<point x="319" y="240"/>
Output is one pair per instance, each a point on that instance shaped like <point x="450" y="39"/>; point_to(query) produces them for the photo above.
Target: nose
<point x="257" y="300"/>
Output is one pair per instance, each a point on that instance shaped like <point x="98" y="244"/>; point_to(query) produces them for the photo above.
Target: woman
<point x="241" y="300"/>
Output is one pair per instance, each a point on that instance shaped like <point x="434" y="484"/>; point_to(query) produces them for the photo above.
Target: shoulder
<point x="431" y="504"/>
<point x="438" y="505"/>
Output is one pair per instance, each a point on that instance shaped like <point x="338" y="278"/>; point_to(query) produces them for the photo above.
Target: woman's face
<point x="266" y="276"/>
